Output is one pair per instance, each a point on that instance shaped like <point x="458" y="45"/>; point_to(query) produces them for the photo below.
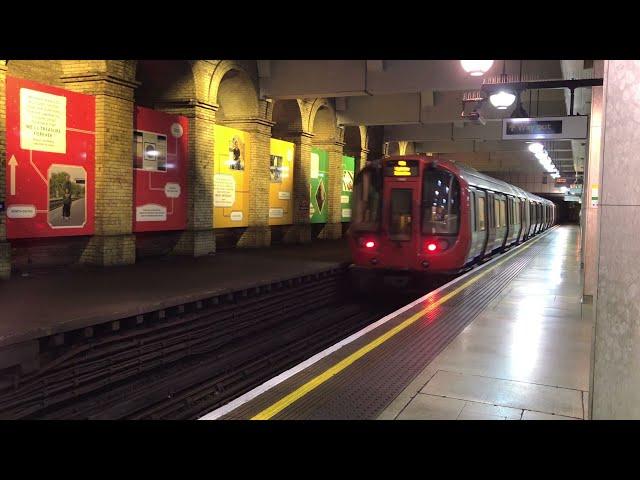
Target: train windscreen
<point x="440" y="203"/>
<point x="367" y="199"/>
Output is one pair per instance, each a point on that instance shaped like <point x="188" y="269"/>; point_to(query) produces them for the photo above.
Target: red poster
<point x="160" y="162"/>
<point x="50" y="161"/>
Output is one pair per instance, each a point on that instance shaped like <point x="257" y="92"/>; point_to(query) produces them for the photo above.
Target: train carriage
<point x="421" y="214"/>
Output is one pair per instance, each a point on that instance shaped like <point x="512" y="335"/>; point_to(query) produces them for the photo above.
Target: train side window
<point x="496" y="212"/>
<point x="401" y="214"/>
<point x="480" y="213"/>
<point x="503" y="215"/>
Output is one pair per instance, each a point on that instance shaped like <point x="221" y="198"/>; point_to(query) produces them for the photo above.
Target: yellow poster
<point x="281" y="182"/>
<point x="230" y="178"/>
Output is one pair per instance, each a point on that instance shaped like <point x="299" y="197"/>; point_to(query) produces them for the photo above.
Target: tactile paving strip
<point x="366" y="387"/>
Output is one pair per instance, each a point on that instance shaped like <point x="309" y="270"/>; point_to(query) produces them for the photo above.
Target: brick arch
<point x="287" y="117"/>
<point x="243" y="76"/>
<point x="393" y="148"/>
<point x="164" y="81"/>
<point x="353" y="139"/>
<point x="237" y="96"/>
<point x="322" y="121"/>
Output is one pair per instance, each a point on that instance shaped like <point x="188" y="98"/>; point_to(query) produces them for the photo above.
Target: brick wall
<point x="194" y="94"/>
<point x="113" y="242"/>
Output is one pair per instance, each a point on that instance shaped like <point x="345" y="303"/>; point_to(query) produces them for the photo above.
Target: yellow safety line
<point x="300" y="392"/>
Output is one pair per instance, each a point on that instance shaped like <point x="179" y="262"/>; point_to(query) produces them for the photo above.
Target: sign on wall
<point x="230" y="180"/>
<point x="544" y="128"/>
<point x="160" y="168"/>
<point x="319" y="205"/>
<point x="281" y="182"/>
<point x="50" y="163"/>
<point x="348" y="166"/>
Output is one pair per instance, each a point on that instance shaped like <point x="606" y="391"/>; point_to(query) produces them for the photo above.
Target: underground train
<point x="417" y="215"/>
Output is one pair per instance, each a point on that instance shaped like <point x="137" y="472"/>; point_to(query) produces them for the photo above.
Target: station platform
<point x="508" y="340"/>
<point x="56" y="300"/>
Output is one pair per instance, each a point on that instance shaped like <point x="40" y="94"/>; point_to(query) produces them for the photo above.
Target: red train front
<point x="407" y="216"/>
<point x="422" y="215"/>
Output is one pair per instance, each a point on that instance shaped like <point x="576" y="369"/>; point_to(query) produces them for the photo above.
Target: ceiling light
<point x="476" y="68"/>
<point x="502" y="99"/>
<point x="541" y="155"/>
<point x="536" y="147"/>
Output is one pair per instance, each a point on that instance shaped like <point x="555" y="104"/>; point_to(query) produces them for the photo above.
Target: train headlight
<point x="370" y="244"/>
<point x="432" y="246"/>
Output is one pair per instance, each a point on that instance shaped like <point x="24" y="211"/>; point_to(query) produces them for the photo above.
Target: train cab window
<point x="480" y="215"/>
<point x="401" y="214"/>
<point x="440" y="203"/>
<point x="367" y="199"/>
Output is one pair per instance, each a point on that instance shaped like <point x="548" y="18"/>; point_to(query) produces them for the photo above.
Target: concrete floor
<point x="526" y="356"/>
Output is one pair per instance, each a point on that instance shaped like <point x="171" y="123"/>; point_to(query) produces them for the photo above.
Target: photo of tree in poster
<point x="67" y="205"/>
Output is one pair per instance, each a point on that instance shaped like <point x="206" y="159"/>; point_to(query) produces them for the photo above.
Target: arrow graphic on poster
<point x="13" y="163"/>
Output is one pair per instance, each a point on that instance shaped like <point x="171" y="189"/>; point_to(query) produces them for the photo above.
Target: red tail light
<point x="370" y="244"/>
<point x="433" y="246"/>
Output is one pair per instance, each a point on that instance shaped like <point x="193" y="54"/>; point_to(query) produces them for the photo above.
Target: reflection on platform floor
<point x="526" y="356"/>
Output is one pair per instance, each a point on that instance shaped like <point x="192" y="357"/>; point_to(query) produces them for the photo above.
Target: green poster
<point x="348" y="166"/>
<point x="319" y="206"/>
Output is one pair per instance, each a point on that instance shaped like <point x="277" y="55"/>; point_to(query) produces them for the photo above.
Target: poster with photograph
<point x="348" y="166"/>
<point x="50" y="162"/>
<point x="318" y="207"/>
<point x="150" y="151"/>
<point x="230" y="181"/>
<point x="67" y="196"/>
<point x="160" y="171"/>
<point x="281" y="186"/>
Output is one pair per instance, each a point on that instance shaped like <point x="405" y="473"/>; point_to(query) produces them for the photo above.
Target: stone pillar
<point x="258" y="233"/>
<point x="198" y="239"/>
<point x="592" y="179"/>
<point x="300" y="231"/>
<point x="5" y="248"/>
<point x="361" y="160"/>
<point x="333" y="227"/>
<point x="113" y="242"/>
<point x="615" y="390"/>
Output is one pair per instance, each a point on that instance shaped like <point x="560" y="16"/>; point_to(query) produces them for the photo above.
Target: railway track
<point x="182" y="365"/>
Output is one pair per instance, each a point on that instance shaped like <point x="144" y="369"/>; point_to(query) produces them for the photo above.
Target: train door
<point x="401" y="218"/>
<point x="502" y="230"/>
<point x="478" y="217"/>
<point x="491" y="223"/>
<point x="532" y="218"/>
<point x="517" y="211"/>
<point x="524" y="211"/>
<point x="512" y="234"/>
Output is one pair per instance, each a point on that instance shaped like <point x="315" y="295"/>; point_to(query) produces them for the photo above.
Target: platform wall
<point x="207" y="93"/>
